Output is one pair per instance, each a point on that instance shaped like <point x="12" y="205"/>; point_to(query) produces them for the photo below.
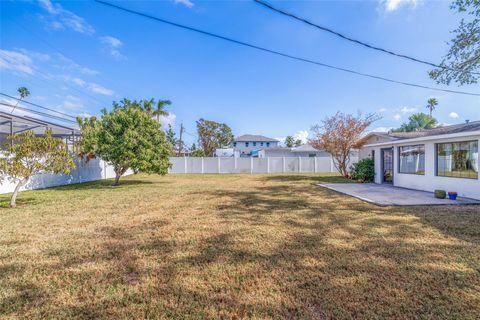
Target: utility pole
<point x="180" y="141"/>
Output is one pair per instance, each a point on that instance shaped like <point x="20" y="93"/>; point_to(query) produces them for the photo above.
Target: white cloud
<point x="167" y="120"/>
<point x="16" y="61"/>
<point x="96" y="88"/>
<point x="186" y="3"/>
<point x="382" y="110"/>
<point x="392" y="5"/>
<point x="73" y="103"/>
<point x="397" y="117"/>
<point x="453" y="115"/>
<point x="301" y="135"/>
<point x="93" y="87"/>
<point x="408" y="110"/>
<point x="380" y="129"/>
<point x="113" y="44"/>
<point x="59" y="18"/>
<point x="70" y="65"/>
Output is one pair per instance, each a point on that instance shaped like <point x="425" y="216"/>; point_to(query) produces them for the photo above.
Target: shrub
<point x="363" y="170"/>
<point x="440" y="194"/>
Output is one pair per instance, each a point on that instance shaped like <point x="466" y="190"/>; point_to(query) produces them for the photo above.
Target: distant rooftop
<point x="254" y="138"/>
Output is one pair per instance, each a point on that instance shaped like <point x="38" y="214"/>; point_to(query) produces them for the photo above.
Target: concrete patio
<point x="388" y="195"/>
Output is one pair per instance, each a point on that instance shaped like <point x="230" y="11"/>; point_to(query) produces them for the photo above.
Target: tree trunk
<point x="13" y="200"/>
<point x="117" y="179"/>
<point x="118" y="174"/>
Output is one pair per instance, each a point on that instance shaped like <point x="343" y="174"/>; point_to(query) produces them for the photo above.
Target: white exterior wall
<point x="95" y="169"/>
<point x="465" y="187"/>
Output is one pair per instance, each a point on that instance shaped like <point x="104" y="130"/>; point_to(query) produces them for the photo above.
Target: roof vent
<point x="467" y="121"/>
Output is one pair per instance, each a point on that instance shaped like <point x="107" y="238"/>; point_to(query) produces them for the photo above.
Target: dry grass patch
<point x="233" y="246"/>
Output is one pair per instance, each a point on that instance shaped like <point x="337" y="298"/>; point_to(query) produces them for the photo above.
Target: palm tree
<point x="431" y="103"/>
<point x="23" y="91"/>
<point x="160" y="111"/>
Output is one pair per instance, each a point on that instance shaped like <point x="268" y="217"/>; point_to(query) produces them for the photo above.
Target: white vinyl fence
<point x="254" y="165"/>
<point x="95" y="169"/>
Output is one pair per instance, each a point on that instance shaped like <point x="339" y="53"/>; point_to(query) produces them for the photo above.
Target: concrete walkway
<point x="388" y="195"/>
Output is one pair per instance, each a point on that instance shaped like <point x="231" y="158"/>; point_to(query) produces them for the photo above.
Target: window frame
<point x="399" y="161"/>
<point x="436" y="159"/>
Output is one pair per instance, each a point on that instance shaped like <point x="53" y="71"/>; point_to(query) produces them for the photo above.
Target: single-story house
<point x="305" y="150"/>
<point x="445" y="158"/>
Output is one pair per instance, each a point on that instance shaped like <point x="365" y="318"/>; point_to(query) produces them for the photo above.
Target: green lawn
<point x="233" y="247"/>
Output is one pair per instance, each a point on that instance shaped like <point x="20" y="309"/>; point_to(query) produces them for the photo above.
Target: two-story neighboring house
<point x="248" y="145"/>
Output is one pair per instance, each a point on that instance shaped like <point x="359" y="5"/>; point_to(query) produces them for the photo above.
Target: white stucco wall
<point x="429" y="182"/>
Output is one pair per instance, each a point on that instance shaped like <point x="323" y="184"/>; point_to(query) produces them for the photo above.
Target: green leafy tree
<point x="431" y="104"/>
<point x="198" y="153"/>
<point x="29" y="154"/>
<point x="160" y="110"/>
<point x="289" y="141"/>
<point x="462" y="62"/>
<point x="23" y="92"/>
<point x="155" y="109"/>
<point x="298" y="143"/>
<point x="213" y="135"/>
<point x="171" y="136"/>
<point x="128" y="138"/>
<point x="416" y="122"/>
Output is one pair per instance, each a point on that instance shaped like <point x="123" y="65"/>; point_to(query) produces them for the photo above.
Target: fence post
<point x="299" y="165"/>
<point x="203" y="170"/>
<point x="218" y="164"/>
<point x="315" y="164"/>
<point x="331" y="164"/>
<point x="283" y="164"/>
<point x="268" y="164"/>
<point x="251" y="165"/>
<point x="185" y="165"/>
<point x="235" y="163"/>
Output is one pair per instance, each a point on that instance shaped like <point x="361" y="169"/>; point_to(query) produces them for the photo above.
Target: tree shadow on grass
<point x="314" y="178"/>
<point x="21" y="201"/>
<point x="103" y="184"/>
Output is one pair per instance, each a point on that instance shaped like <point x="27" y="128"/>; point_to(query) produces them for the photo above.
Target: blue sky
<point x="78" y="56"/>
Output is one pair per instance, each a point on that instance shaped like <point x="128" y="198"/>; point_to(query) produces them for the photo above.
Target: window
<point x="234" y="144"/>
<point x="268" y="144"/>
<point x="411" y="159"/>
<point x="312" y="155"/>
<point x="261" y="144"/>
<point x="246" y="144"/>
<point x="254" y="144"/>
<point x="458" y="159"/>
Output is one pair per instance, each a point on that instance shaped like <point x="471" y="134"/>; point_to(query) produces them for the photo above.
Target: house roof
<point x="254" y="138"/>
<point x="457" y="130"/>
<point x="305" y="148"/>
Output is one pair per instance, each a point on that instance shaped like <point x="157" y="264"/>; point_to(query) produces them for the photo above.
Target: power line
<point x="43" y="114"/>
<point x="369" y="46"/>
<point x="37" y="105"/>
<point x="281" y="53"/>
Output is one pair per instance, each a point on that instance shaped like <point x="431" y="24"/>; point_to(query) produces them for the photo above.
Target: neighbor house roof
<point x="305" y="148"/>
<point x="254" y="138"/>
